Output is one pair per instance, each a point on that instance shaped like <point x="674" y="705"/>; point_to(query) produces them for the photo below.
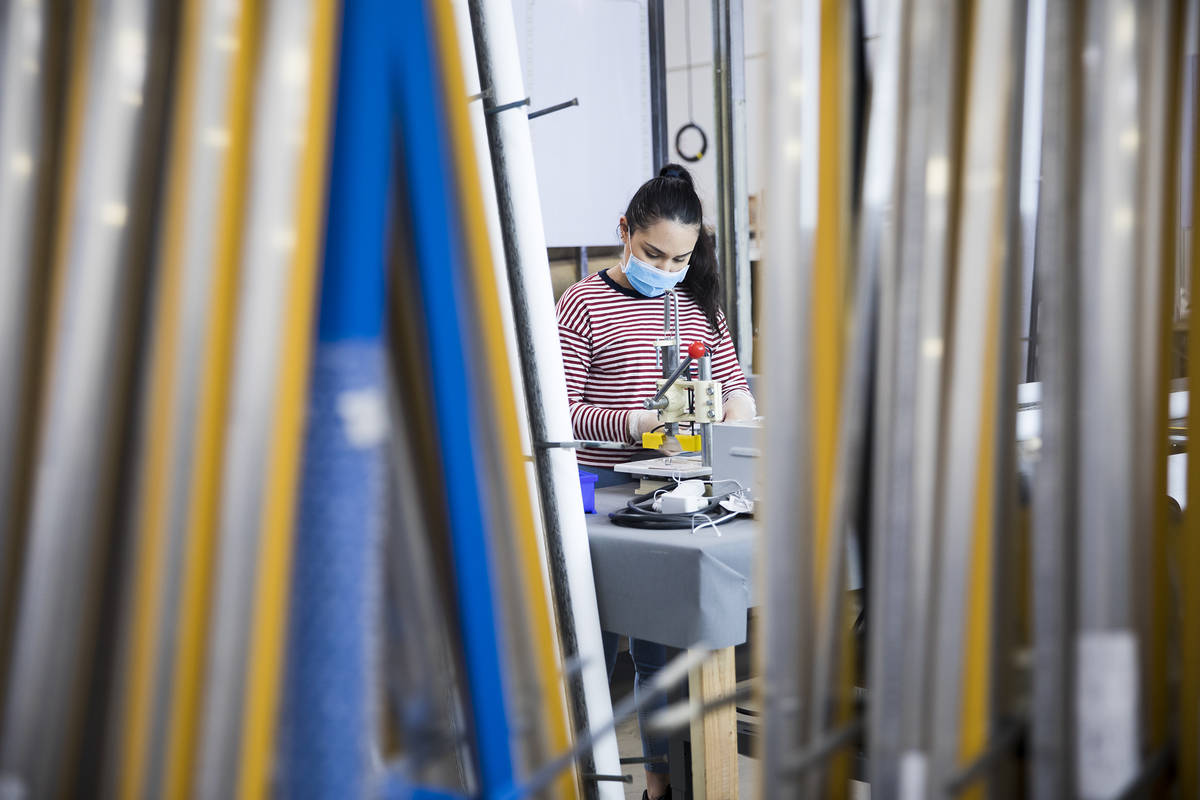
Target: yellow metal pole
<point x="1189" y="551"/>
<point x="153" y="499"/>
<point x="1156" y="681"/>
<point x="831" y="277"/>
<point x="264" y="664"/>
<point x="208" y="437"/>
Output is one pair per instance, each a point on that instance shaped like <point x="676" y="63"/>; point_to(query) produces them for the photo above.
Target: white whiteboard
<point x="590" y="158"/>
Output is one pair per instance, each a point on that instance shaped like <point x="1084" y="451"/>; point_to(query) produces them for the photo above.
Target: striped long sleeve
<point x="588" y="421"/>
<point x="608" y="335"/>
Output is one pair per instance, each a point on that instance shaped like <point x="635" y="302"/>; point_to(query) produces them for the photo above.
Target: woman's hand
<point x="739" y="406"/>
<point x="639" y="422"/>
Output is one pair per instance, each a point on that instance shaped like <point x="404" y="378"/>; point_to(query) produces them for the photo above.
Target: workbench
<point x="682" y="589"/>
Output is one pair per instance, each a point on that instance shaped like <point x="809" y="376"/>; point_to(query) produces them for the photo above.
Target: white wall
<point x="705" y="170"/>
<point x="589" y="158"/>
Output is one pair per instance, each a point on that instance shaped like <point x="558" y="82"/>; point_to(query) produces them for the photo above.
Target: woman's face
<point x="667" y="244"/>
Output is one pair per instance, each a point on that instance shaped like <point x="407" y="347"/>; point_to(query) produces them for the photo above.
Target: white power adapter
<point x="682" y="504"/>
<point x="686" y="498"/>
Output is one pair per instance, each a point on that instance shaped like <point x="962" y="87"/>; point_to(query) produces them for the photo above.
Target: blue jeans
<point x="648" y="659"/>
<point x="609" y="477"/>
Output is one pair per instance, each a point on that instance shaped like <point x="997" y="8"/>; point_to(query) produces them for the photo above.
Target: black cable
<point x="691" y="158"/>
<point x="638" y="513"/>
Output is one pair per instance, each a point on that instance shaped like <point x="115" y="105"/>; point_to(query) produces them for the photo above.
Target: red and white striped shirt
<point x="608" y="333"/>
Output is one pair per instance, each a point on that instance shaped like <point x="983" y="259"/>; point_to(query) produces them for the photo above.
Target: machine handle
<point x="695" y="350"/>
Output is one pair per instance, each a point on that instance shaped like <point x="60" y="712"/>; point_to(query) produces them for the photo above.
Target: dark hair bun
<point x="677" y="172"/>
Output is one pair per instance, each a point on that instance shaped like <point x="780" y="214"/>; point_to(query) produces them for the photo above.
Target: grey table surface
<point x="674" y="587"/>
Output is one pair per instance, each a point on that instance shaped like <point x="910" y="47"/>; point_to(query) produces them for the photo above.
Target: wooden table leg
<point x="714" y="737"/>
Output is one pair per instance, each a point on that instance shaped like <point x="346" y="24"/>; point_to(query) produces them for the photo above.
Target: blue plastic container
<point x="587" y="486"/>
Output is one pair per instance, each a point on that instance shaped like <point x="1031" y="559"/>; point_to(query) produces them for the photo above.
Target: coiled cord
<point x="638" y="513"/>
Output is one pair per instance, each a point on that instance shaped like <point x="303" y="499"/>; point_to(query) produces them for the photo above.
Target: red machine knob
<point x="697" y="350"/>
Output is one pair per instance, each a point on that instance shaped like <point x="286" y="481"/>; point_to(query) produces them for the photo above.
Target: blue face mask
<point x="650" y="281"/>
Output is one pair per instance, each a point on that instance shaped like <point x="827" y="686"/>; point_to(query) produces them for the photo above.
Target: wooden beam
<point x="714" y="736"/>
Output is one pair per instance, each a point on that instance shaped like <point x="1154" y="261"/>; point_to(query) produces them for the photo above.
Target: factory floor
<point x="629" y="742"/>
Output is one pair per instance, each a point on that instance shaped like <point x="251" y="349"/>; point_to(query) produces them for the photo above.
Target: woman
<point x="608" y="323"/>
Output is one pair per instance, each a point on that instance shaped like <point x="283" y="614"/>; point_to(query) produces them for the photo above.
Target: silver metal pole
<point x="733" y="200"/>
<point x="970" y="481"/>
<point x="1109" y="284"/>
<point x="185" y="319"/>
<point x="669" y="354"/>
<point x="87" y="376"/>
<point x="787" y="534"/>
<point x="706" y="428"/>
<point x="1053" y="537"/>
<point x="28" y="72"/>
<point x="266" y="269"/>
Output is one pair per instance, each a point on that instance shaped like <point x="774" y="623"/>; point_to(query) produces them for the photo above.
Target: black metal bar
<point x="1002" y="744"/>
<point x="574" y="101"/>
<point x="654" y="402"/>
<point x="658" y="83"/>
<point x="591" y="776"/>
<point x="514" y="104"/>
<point x="644" y="760"/>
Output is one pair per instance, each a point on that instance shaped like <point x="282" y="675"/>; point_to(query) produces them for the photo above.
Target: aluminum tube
<point x="25" y="79"/>
<point x="787" y="534"/>
<point x="875" y="239"/>
<point x="267" y="267"/>
<point x="972" y="497"/>
<point x="103" y="231"/>
<point x="936" y="136"/>
<point x="880" y="238"/>
<point x="1109" y="287"/>
<point x="164" y="460"/>
<point x="524" y="240"/>
<point x="733" y="198"/>
<point x="1054" y="520"/>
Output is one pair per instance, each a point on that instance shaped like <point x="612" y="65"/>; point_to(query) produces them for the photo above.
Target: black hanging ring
<point x="703" y="143"/>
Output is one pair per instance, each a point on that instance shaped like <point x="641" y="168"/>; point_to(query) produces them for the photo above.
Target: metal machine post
<point x="706" y="428"/>
<point x="733" y="197"/>
<point x="668" y="349"/>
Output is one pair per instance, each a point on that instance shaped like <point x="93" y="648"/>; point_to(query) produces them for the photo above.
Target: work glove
<point x="639" y="422"/>
<point x="739" y="406"/>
